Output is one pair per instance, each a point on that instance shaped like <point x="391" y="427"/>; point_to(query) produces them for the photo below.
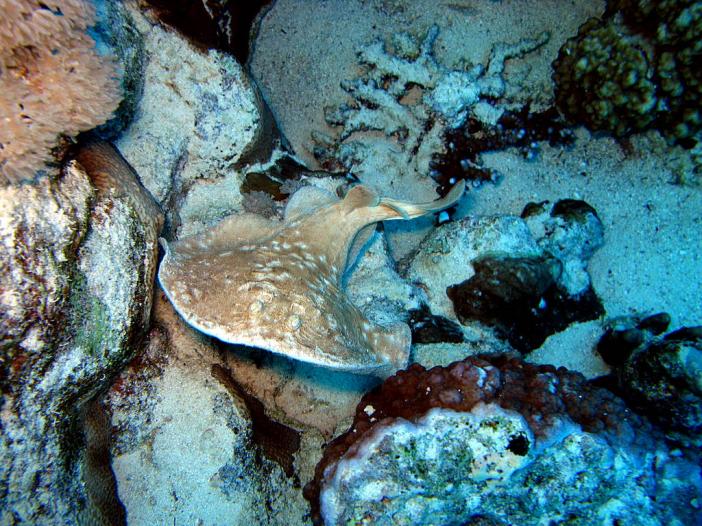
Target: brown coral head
<point x="542" y="394"/>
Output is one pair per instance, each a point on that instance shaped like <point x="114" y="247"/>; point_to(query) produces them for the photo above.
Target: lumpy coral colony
<point x="494" y="439"/>
<point x="636" y="68"/>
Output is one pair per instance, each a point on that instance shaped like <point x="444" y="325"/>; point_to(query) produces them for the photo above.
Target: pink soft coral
<point x="52" y="82"/>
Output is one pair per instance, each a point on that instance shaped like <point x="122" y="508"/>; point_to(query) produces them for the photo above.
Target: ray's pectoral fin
<point x="361" y="196"/>
<point x="233" y="231"/>
<point x="394" y="345"/>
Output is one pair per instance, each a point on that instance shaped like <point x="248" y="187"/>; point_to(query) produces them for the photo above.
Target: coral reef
<point x="527" y="276"/>
<point x="288" y="280"/>
<point x="675" y="30"/>
<point x="637" y="68"/>
<point x="413" y="100"/>
<point x="659" y="375"/>
<point x="495" y="438"/>
<point x="53" y="83"/>
<point x="618" y="96"/>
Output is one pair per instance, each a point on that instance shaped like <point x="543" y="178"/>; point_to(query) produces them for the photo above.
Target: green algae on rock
<point x="78" y="264"/>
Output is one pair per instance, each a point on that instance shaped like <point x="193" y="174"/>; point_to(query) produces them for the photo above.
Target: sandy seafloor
<point x="652" y="257"/>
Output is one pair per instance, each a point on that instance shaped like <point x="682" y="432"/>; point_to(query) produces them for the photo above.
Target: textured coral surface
<point x="555" y="405"/>
<point x="636" y="68"/>
<point x="52" y="82"/>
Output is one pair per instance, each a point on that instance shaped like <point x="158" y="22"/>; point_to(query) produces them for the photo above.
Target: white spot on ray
<point x="294" y="322"/>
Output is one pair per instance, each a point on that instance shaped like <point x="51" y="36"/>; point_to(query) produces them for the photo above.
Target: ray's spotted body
<point x="277" y="285"/>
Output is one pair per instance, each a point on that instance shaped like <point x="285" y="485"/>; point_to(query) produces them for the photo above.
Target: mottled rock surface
<point x="493" y="438"/>
<point x="444" y="257"/>
<point x="660" y="375"/>
<point x="199" y="119"/>
<point x="525" y="276"/>
<point x="185" y="447"/>
<point x="77" y="275"/>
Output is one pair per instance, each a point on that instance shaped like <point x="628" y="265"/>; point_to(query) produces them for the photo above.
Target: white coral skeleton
<point x="414" y="131"/>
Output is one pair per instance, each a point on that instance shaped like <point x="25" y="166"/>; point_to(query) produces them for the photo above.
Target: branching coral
<point x="52" y="81"/>
<point x="413" y="100"/>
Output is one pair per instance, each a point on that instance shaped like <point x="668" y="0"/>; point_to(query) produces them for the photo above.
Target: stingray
<point x="277" y="285"/>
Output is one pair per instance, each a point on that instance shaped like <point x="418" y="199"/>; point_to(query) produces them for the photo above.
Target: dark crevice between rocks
<point x="212" y="24"/>
<point x="430" y="328"/>
<point x="276" y="441"/>
<point x="273" y="180"/>
<point x="519" y="129"/>
<point x="175" y="197"/>
<point x="520" y="298"/>
<point x="104" y="505"/>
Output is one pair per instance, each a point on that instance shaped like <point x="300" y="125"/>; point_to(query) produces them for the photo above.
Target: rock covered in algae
<point x="495" y="439"/>
<point x="78" y="265"/>
<point x="525" y="276"/>
<point x="660" y="375"/>
<point x="198" y="116"/>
